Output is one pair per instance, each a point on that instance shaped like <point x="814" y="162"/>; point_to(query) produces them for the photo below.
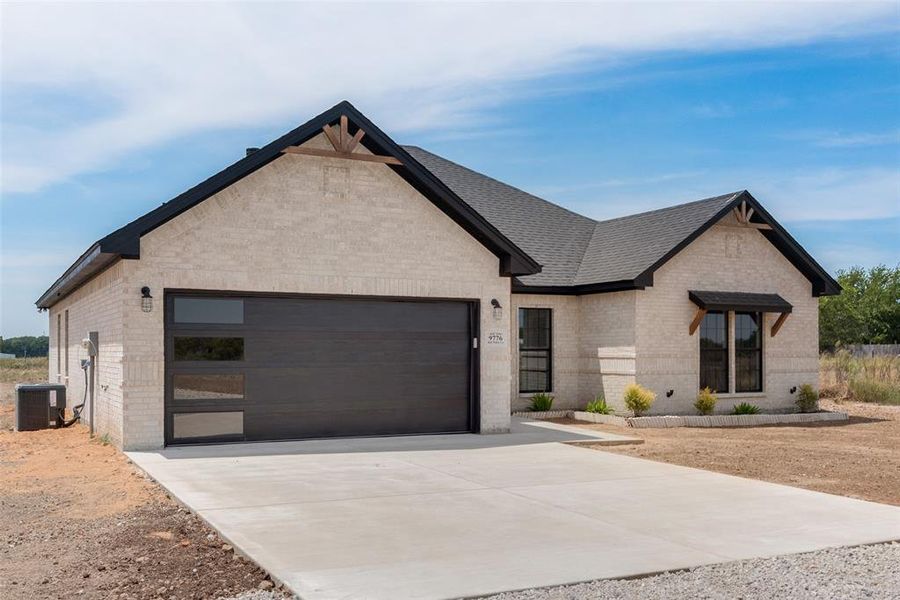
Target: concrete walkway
<point x="465" y="515"/>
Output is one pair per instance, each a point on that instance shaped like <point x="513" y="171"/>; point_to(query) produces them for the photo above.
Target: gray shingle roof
<point x="573" y="249"/>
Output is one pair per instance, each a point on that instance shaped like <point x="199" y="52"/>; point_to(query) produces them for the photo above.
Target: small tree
<point x="807" y="399"/>
<point x="706" y="401"/>
<point x="638" y="399"/>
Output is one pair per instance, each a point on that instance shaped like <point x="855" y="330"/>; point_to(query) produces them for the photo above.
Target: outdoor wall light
<point x="498" y="310"/>
<point x="669" y="393"/>
<point x="146" y="299"/>
<point x="793" y="389"/>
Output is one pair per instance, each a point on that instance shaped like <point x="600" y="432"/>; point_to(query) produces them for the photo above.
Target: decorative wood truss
<point x="743" y="214"/>
<point x="344" y="145"/>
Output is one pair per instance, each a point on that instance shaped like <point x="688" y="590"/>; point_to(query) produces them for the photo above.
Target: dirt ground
<point x="859" y="458"/>
<point x="78" y="520"/>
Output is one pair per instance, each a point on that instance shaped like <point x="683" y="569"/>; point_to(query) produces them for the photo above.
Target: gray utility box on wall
<point x="39" y="406"/>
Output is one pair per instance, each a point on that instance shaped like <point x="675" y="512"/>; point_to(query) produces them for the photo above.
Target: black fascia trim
<point x="579" y="290"/>
<point x="125" y="241"/>
<point x="374" y="140"/>
<point x="513" y="260"/>
<point x="822" y="283"/>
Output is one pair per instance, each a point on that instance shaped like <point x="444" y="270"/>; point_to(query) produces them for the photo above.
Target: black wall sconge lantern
<point x="498" y="310"/>
<point x="793" y="389"/>
<point x="669" y="393"/>
<point x="146" y="299"/>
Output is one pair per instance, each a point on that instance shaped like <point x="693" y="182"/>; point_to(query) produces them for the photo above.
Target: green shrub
<point x="599" y="406"/>
<point x="871" y="390"/>
<point x="638" y="399"/>
<point x="745" y="408"/>
<point x="706" y="401"/>
<point x="807" y="399"/>
<point x="541" y="402"/>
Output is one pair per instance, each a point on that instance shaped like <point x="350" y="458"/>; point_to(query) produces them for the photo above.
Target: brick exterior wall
<point x="727" y="257"/>
<point x="95" y="306"/>
<point x="593" y="349"/>
<point x="602" y="342"/>
<point x="305" y="224"/>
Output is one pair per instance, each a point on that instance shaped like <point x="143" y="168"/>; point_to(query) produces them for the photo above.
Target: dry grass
<point x="859" y="458"/>
<point x="871" y="379"/>
<point x="13" y="371"/>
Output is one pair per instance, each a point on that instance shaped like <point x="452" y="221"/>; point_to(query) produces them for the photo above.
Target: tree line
<point x="26" y="345"/>
<point x="867" y="311"/>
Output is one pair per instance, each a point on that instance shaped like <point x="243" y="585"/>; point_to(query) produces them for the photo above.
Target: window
<point x="209" y="387"/>
<point x="535" y="359"/>
<point x="199" y="425"/>
<point x="58" y="345"/>
<point x="66" y="364"/>
<point x="209" y="310"/>
<point x="747" y="352"/>
<point x="714" y="351"/>
<point x="209" y="348"/>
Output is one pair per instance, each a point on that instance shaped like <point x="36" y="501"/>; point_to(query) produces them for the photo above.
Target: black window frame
<point x="726" y="351"/>
<point x="548" y="349"/>
<point x="740" y="351"/>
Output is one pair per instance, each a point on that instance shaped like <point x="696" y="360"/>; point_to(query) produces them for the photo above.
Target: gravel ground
<point x="870" y="572"/>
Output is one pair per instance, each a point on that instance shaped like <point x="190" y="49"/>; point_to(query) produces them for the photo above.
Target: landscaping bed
<point x="859" y="457"/>
<point x="80" y="521"/>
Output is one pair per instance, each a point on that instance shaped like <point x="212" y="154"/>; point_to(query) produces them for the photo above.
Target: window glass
<point x="714" y="351"/>
<point x="209" y="348"/>
<point x="209" y="310"/>
<point x="209" y="387"/>
<point x="535" y="358"/>
<point x="207" y="425"/>
<point x="748" y="352"/>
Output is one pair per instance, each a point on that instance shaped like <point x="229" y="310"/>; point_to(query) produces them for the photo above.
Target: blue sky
<point x="606" y="109"/>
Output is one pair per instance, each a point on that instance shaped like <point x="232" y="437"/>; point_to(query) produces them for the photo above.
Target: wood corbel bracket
<point x="698" y="318"/>
<point x="779" y="322"/>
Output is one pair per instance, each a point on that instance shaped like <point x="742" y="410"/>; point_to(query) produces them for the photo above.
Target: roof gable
<point x="125" y="241"/>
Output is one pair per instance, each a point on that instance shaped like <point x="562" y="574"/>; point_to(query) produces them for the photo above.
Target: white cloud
<point x="836" y="194"/>
<point x="170" y="70"/>
<point x="835" y="139"/>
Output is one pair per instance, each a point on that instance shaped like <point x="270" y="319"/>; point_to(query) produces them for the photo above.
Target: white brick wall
<point x="593" y="346"/>
<point x="309" y="225"/>
<point x="727" y="257"/>
<point x="96" y="306"/>
<point x="602" y="342"/>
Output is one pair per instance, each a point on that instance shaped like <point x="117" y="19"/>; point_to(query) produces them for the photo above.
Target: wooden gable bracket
<point x="779" y="322"/>
<point x="698" y="318"/>
<point x="743" y="214"/>
<point x="343" y="145"/>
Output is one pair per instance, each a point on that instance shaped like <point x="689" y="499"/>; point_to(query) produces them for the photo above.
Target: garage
<point x="266" y="367"/>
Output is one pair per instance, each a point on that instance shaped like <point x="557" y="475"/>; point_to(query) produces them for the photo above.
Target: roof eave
<point x="88" y="264"/>
<point x="125" y="242"/>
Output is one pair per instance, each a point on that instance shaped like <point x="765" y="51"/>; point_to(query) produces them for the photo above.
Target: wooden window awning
<point x="739" y="301"/>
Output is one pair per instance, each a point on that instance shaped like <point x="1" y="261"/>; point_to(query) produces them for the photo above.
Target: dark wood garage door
<point x="242" y="368"/>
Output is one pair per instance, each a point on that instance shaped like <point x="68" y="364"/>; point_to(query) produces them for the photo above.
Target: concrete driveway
<point x="464" y="515"/>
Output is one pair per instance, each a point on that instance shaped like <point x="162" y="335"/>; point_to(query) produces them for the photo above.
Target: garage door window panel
<point x="208" y="425"/>
<point x="197" y="348"/>
<point x="228" y="311"/>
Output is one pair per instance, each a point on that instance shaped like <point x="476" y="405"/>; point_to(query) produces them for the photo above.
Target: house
<point x="334" y="283"/>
